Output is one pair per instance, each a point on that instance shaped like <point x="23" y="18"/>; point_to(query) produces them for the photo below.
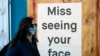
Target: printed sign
<point x="60" y="29"/>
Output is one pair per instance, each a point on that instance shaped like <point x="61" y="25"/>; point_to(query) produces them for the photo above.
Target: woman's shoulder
<point x="16" y="45"/>
<point x="14" y="50"/>
<point x="20" y="44"/>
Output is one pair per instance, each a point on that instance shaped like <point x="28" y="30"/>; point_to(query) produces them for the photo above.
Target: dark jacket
<point x="24" y="48"/>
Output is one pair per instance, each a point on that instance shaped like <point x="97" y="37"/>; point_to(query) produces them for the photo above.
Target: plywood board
<point x="89" y="47"/>
<point x="99" y="26"/>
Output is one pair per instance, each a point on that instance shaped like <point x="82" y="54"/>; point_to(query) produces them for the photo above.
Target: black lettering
<point x="68" y="11"/>
<point x="67" y="53"/>
<point x="56" y="40"/>
<point x="44" y="26"/>
<point x="50" y="26"/>
<point x="62" y="11"/>
<point x="57" y="10"/>
<point x="54" y="53"/>
<point x="49" y="52"/>
<point x="66" y="25"/>
<point x="61" y="52"/>
<point x="56" y="26"/>
<point x="50" y="40"/>
<point x="53" y="11"/>
<point x="74" y="27"/>
<point x="68" y="40"/>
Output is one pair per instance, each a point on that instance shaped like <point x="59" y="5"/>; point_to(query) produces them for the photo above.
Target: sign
<point x="60" y="29"/>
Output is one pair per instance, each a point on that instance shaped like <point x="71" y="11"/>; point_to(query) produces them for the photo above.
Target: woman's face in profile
<point x="33" y="28"/>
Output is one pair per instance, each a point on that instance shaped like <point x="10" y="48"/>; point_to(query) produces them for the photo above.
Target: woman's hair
<point x="23" y="31"/>
<point x="24" y="26"/>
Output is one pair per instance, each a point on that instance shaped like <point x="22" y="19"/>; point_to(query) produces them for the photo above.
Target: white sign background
<point x="75" y="45"/>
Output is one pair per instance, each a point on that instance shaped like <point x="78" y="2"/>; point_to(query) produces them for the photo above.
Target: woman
<point x="24" y="43"/>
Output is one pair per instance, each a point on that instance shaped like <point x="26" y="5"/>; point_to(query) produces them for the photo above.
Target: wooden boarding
<point x="89" y="22"/>
<point x="99" y="26"/>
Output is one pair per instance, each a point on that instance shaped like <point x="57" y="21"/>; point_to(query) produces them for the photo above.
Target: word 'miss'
<point x="56" y="10"/>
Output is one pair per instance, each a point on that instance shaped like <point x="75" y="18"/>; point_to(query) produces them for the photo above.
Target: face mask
<point x="32" y="30"/>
